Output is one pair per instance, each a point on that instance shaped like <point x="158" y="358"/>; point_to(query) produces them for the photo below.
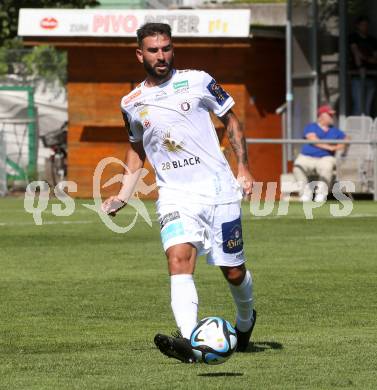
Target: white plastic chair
<point x="355" y="164"/>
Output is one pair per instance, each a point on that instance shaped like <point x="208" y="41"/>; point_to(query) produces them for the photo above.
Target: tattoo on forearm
<point x="237" y="140"/>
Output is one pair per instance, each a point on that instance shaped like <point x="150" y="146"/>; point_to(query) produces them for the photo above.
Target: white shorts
<point x="214" y="230"/>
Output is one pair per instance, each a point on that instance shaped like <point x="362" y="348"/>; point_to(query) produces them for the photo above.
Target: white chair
<point x="3" y="169"/>
<point x="354" y="165"/>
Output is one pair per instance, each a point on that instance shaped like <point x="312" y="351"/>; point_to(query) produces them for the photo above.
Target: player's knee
<point x="180" y="261"/>
<point x="234" y="275"/>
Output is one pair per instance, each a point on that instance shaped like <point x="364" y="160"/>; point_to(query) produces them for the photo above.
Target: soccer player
<point x="168" y="121"/>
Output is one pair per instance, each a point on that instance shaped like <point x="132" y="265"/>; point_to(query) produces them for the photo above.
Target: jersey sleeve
<point x="214" y="97"/>
<point x="135" y="133"/>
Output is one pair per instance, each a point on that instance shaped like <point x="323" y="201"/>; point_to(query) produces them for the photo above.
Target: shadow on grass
<point x="215" y="374"/>
<point x="261" y="346"/>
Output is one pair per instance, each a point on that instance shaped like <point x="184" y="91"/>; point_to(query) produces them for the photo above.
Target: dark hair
<point x="361" y="18"/>
<point x="151" y="29"/>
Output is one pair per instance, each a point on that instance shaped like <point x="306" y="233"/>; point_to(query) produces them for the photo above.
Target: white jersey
<point x="173" y="122"/>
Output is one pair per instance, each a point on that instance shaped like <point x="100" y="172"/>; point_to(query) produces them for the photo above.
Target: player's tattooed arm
<point x="236" y="137"/>
<point x="238" y="142"/>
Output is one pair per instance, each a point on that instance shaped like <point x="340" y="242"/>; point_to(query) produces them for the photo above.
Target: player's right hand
<point x="112" y="205"/>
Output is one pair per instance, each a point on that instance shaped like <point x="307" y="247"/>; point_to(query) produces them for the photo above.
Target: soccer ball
<point x="213" y="340"/>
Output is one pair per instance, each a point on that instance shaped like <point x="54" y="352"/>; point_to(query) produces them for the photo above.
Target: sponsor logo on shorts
<point x="217" y="91"/>
<point x="172" y="230"/>
<point x="232" y="236"/>
<point x="240" y="256"/>
<point x="168" y="218"/>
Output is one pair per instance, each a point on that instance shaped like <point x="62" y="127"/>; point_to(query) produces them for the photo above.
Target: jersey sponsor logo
<point x="232" y="236"/>
<point x="182" y="91"/>
<point x="181" y="87"/>
<point x="180" y="84"/>
<point x="139" y="104"/>
<point x="173" y="230"/>
<point x="185" y="162"/>
<point x="168" y="218"/>
<point x="217" y="91"/>
<point x="161" y="95"/>
<point x="146" y="124"/>
<point x="131" y="97"/>
<point x="170" y="144"/>
<point x="143" y="113"/>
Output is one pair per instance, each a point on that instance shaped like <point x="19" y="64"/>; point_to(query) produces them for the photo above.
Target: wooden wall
<point x="252" y="73"/>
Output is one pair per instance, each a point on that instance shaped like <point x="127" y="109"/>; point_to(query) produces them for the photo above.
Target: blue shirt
<point x="314" y="151"/>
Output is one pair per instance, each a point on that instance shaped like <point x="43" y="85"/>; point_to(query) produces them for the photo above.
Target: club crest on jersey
<point x="232" y="236"/>
<point x="217" y="91"/>
<point x="185" y="106"/>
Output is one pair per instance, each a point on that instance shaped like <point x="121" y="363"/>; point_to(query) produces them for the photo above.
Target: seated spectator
<point x="318" y="159"/>
<point x="363" y="65"/>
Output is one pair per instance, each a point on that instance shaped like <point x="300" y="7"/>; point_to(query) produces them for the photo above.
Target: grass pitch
<point x="80" y="304"/>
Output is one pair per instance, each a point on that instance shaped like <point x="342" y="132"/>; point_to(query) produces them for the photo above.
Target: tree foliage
<point x="47" y="63"/>
<point x="9" y="12"/>
<point x="40" y="62"/>
<point x="30" y="64"/>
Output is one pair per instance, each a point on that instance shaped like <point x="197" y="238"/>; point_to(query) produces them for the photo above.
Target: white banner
<point x="124" y="23"/>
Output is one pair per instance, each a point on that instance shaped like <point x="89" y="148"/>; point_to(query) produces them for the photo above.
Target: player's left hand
<point x="246" y="181"/>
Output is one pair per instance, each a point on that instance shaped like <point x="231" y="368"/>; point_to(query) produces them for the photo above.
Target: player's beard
<point x="151" y="71"/>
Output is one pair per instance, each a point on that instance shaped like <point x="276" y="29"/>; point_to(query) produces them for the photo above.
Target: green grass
<point x="80" y="305"/>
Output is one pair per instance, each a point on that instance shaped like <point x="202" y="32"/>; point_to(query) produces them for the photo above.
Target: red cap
<point x="325" y="109"/>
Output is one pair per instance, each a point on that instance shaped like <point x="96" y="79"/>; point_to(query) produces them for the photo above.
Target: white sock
<point x="184" y="302"/>
<point x="243" y="298"/>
